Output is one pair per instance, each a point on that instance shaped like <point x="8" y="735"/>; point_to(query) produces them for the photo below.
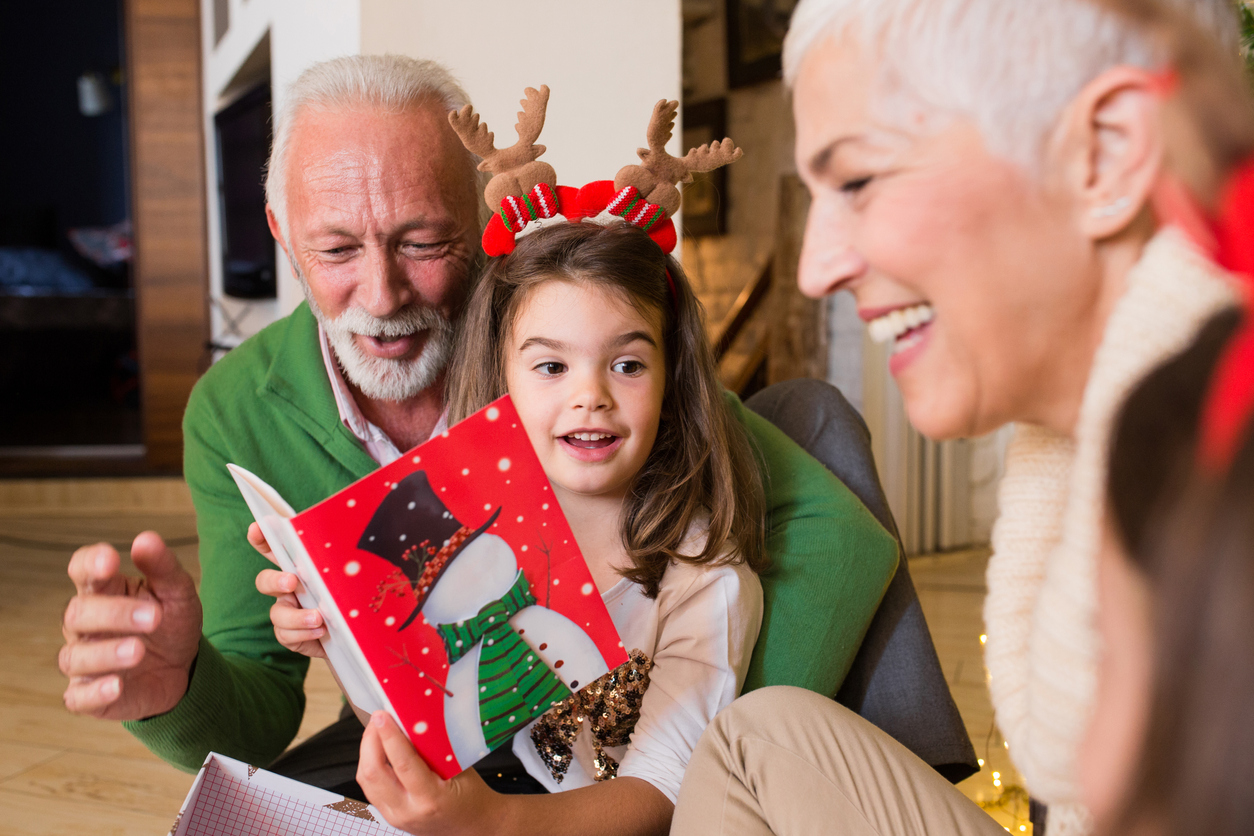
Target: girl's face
<point x="587" y="375"/>
<point x="1112" y="745"/>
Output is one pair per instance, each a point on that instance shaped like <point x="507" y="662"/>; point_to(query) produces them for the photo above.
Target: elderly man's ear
<point x="275" y="229"/>
<point x="1110" y="146"/>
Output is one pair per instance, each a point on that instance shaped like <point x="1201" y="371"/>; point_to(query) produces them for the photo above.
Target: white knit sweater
<point x="1042" y="644"/>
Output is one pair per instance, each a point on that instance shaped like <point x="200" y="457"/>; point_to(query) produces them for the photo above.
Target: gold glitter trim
<point x="353" y="808"/>
<point x="175" y="827"/>
<point x="611" y="705"/>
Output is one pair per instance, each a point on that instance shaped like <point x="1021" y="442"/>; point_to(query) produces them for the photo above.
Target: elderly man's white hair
<point x="1010" y="65"/>
<point x="393" y="82"/>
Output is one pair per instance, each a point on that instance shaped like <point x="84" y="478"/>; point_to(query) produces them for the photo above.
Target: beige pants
<point x="787" y="761"/>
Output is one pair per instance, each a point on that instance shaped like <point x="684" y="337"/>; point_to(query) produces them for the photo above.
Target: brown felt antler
<point x="516" y="169"/>
<point x="656" y="179"/>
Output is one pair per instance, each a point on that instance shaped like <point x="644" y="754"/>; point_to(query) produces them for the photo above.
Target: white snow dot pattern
<point x="351" y="568"/>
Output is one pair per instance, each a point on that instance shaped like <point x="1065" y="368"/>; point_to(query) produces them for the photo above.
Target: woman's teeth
<point x="589" y="436"/>
<point x="892" y="326"/>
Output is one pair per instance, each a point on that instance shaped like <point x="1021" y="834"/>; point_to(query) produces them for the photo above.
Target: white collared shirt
<point x="378" y="445"/>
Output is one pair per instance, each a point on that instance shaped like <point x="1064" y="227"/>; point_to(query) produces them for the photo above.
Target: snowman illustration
<point x="510" y="659"/>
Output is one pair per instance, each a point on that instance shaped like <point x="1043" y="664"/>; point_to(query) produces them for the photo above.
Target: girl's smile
<point x="587" y="374"/>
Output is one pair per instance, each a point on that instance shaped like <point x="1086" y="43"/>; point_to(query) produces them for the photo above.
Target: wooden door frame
<point x="168" y="207"/>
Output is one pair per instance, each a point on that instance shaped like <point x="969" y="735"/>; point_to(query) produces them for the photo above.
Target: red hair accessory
<point x="1229" y="400"/>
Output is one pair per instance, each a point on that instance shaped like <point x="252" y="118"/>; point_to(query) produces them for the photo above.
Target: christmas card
<point x="230" y="798"/>
<point x="454" y="594"/>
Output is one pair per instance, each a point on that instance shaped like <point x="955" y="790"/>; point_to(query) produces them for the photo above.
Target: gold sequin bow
<point x="611" y="705"/>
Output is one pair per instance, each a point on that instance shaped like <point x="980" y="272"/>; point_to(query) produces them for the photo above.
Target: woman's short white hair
<point x="1010" y="65"/>
<point x="392" y="82"/>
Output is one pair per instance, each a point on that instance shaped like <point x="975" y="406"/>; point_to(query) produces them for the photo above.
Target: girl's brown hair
<point x="701" y="462"/>
<point x="1191" y="534"/>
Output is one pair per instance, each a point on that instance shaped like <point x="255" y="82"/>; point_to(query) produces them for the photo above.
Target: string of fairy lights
<point x="1010" y="797"/>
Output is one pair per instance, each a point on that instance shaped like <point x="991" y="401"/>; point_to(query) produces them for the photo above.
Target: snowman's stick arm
<point x="406" y="661"/>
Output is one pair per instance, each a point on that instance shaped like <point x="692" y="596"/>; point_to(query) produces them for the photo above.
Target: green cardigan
<point x="268" y="407"/>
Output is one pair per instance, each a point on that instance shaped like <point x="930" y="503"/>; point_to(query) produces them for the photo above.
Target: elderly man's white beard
<point x="380" y="378"/>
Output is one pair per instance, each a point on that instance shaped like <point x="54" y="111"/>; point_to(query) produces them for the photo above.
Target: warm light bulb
<point x="980" y="761"/>
<point x="1006" y="743"/>
<point x="997" y="783"/>
<point x="1023" y="828"/>
<point x="983" y="638"/>
<point x="996" y="775"/>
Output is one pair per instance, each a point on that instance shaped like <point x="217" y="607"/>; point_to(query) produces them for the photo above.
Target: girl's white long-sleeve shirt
<point x="699" y="632"/>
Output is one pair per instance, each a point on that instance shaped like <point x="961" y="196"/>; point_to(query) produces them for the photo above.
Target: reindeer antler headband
<point x="524" y="191"/>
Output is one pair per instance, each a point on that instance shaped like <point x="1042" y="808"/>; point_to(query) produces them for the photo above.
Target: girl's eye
<point x="628" y="367"/>
<point x="551" y="368"/>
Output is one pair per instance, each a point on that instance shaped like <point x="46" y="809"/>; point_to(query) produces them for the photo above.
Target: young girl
<point x="595" y="333"/>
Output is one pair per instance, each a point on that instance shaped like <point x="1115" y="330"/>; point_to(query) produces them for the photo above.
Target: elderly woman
<point x="987" y="179"/>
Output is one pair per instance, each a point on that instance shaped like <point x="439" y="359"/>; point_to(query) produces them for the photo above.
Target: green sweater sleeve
<point x="246" y="696"/>
<point x="832" y="562"/>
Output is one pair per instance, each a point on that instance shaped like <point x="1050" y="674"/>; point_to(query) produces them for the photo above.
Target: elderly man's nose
<point x="385" y="289"/>
<point x="828" y="258"/>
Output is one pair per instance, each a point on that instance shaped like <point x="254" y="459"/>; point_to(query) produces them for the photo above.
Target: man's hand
<point x="415" y="799"/>
<point x="129" y="642"/>
<point x="296" y="628"/>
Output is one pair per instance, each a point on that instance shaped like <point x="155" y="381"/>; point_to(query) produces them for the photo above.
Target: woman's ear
<point x="1113" y="150"/>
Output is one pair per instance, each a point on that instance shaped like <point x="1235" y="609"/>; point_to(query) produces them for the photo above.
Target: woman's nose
<point x="828" y="258"/>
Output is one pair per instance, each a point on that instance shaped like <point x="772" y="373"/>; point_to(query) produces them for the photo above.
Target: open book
<point x="454" y="594"/>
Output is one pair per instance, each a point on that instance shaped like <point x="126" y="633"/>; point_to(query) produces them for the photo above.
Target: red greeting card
<point x="454" y="593"/>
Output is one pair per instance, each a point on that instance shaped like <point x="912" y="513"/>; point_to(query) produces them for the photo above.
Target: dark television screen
<point x="243" y="143"/>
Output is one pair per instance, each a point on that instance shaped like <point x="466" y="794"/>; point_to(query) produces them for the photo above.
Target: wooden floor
<point x="61" y="774"/>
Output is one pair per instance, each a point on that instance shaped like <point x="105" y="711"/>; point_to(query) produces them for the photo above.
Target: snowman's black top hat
<point x="413" y="530"/>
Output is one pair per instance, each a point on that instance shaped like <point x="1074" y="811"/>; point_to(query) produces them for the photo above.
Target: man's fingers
<point x="162" y="570"/>
<point x="105" y="656"/>
<point x="411" y="770"/>
<point x="111" y="614"/>
<point x="275" y="584"/>
<point x="93" y="568"/>
<point x="258" y="541"/>
<point x="92" y="696"/>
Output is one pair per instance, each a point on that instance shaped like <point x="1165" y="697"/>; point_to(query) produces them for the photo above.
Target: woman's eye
<point x="852" y="187"/>
<point x="628" y="367"/>
<point x="550" y="369"/>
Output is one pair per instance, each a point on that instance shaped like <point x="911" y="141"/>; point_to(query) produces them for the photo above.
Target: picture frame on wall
<point x="755" y="39"/>
<point x="705" y="198"/>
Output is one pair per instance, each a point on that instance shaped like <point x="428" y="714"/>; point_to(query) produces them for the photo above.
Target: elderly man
<point x="373" y="199"/>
